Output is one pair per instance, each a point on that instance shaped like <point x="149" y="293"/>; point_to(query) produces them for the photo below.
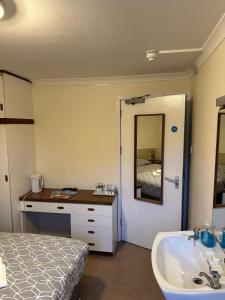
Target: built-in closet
<point x="17" y="158"/>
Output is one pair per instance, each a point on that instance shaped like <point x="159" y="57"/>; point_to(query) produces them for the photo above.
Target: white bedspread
<point x="149" y="177"/>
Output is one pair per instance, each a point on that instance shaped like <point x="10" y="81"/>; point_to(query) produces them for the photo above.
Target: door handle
<point x="175" y="181"/>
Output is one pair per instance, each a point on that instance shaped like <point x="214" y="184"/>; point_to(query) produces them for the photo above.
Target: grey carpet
<point x="126" y="276"/>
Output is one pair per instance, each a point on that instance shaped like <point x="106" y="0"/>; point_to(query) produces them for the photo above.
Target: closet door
<point x="2" y="112"/>
<point x="21" y="160"/>
<point x="5" y="203"/>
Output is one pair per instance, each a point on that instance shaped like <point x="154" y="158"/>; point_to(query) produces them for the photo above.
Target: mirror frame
<point x="216" y="161"/>
<point x="160" y="202"/>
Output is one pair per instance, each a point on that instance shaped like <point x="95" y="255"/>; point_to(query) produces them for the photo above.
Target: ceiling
<point x="100" y="38"/>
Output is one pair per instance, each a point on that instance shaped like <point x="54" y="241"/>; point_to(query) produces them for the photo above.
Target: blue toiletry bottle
<point x="207" y="236"/>
<point x="223" y="238"/>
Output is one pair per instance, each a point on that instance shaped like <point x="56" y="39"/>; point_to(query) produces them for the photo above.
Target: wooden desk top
<point x="82" y="197"/>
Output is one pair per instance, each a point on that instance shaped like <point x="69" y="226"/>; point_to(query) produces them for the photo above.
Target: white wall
<point x="77" y="129"/>
<point x="208" y="84"/>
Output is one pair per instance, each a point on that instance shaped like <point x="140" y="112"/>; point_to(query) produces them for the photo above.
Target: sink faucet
<point x="213" y="280"/>
<point x="195" y="235"/>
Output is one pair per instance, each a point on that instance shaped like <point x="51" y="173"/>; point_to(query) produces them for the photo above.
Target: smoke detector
<point x="151" y="55"/>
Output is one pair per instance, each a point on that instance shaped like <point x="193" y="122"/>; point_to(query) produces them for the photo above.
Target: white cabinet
<point x="17" y="160"/>
<point x="96" y="225"/>
<point x="17" y="100"/>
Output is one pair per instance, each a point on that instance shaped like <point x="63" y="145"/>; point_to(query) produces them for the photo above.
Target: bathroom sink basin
<point x="177" y="262"/>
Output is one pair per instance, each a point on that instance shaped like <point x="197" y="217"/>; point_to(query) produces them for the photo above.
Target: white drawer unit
<point x="95" y="224"/>
<point x="99" y="245"/>
<point x="88" y="232"/>
<point x="93" y="220"/>
<point x="45" y="207"/>
<point x="97" y="210"/>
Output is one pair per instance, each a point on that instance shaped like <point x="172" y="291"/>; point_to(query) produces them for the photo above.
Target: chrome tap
<point x="213" y="280"/>
<point x="195" y="236"/>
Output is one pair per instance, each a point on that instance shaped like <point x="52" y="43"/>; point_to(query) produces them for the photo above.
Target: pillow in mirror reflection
<point x="142" y="162"/>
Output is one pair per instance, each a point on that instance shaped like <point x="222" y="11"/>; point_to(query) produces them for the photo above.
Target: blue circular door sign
<point x="174" y="128"/>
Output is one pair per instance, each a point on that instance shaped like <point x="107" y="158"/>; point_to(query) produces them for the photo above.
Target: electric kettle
<point x="37" y="183"/>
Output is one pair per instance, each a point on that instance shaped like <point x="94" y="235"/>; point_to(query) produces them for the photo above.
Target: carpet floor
<point x="126" y="276"/>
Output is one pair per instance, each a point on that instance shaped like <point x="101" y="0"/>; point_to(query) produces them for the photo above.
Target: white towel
<point x="3" y="280"/>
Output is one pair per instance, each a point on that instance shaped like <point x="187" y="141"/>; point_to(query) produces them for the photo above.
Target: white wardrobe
<point x="17" y="155"/>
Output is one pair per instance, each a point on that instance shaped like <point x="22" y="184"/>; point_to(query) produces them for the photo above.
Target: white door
<point x="2" y="104"/>
<point x="141" y="220"/>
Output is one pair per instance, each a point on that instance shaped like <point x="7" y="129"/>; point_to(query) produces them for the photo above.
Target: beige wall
<point x="77" y="130"/>
<point x="208" y="84"/>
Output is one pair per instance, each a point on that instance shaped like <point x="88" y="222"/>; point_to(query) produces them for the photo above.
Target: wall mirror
<point x="219" y="181"/>
<point x="148" y="157"/>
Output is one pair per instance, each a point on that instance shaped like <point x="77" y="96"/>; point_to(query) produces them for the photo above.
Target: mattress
<point x="149" y="178"/>
<point x="41" y="266"/>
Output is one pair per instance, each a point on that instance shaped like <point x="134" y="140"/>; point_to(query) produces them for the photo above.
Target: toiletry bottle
<point x="207" y="236"/>
<point x="223" y="238"/>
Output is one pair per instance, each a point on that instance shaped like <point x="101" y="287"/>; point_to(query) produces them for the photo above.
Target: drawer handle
<point x="91" y="232"/>
<point x="60" y="207"/>
<point x="91" y="244"/>
<point x="91" y="220"/>
<point x="28" y="205"/>
<point x="91" y="209"/>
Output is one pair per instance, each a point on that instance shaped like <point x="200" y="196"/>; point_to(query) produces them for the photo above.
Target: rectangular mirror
<point x="148" y="157"/>
<point x="219" y="181"/>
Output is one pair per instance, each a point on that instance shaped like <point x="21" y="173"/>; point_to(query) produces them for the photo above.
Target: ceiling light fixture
<point x="151" y="55"/>
<point x="2" y="10"/>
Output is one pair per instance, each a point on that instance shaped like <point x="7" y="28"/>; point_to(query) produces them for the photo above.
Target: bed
<point x="41" y="266"/>
<point x="149" y="179"/>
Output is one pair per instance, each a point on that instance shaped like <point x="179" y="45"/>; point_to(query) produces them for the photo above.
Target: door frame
<point x="186" y="160"/>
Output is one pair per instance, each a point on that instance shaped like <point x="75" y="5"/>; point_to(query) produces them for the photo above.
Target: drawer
<point x="86" y="232"/>
<point x="94" y="221"/>
<point x="86" y="209"/>
<point x="103" y="245"/>
<point x="62" y="208"/>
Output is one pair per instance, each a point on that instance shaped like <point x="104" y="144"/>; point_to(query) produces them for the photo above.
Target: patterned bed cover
<point x="41" y="266"/>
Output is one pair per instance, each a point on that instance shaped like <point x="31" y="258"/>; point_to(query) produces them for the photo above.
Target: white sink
<point x="176" y="261"/>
